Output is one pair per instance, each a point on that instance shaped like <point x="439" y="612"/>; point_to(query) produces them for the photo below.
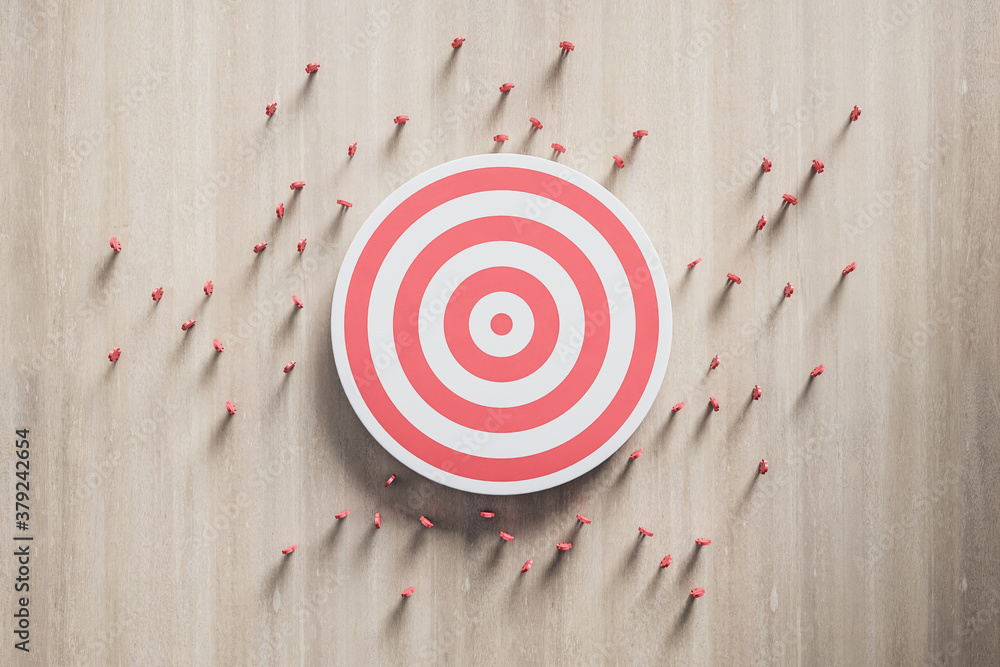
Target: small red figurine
<point x="558" y="148"/>
<point x="620" y="163"/>
<point x="766" y="165"/>
<point x="703" y="541"/>
<point x="762" y="467"/>
<point x="378" y="520"/>
<point x="666" y="561"/>
<point x="280" y="210"/>
<point x="392" y="478"/>
<point x="789" y="199"/>
<point x="297" y="185"/>
<point x="634" y="455"/>
<point x="564" y="546"/>
<point x="691" y="265"/>
<point x="301" y="244"/>
<point x="500" y="138"/>
<point x="850" y="267"/>
<point x="312" y="68"/>
<point x="230" y="407"/>
<point x="756" y="393"/>
<point x="583" y="519"/>
<point x="677" y="408"/>
<point x="817" y="166"/>
<point x="697" y="592"/>
<point x="817" y="371"/>
<point x="761" y="222"/>
<point x="457" y="42"/>
<point x="115" y="245"/>
<point x="297" y="301"/>
<point x="408" y="592"/>
<point x="217" y="344"/>
<point x="487" y="515"/>
<point x="734" y="278"/>
<point x="114" y="354"/>
<point x="290" y="549"/>
<point x="647" y="533"/>
<point x="270" y="109"/>
<point x="157" y="294"/>
<point x="507" y="87"/>
<point x="289" y="366"/>
<point x="716" y="360"/>
<point x="639" y="134"/>
<point x="427" y="522"/>
<point x="400" y="120"/>
<point x="352" y="148"/>
<point x="566" y="46"/>
<point x="789" y="289"/>
<point x="187" y="325"/>
<point x="344" y="203"/>
<point x="537" y="123"/>
<point x="527" y="565"/>
<point x="259" y="247"/>
<point x="855" y="113"/>
<point x="209" y="288"/>
<point x="714" y="403"/>
<point x="506" y="537"/>
<point x="341" y="515"/>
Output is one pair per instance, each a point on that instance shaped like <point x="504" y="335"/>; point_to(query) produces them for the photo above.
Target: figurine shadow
<point x="208" y="371"/>
<point x="628" y="562"/>
<point x="498" y="108"/>
<point x="632" y="148"/>
<point x="555" y="565"/>
<point x="395" y="619"/>
<point x="526" y="142"/>
<point x="449" y="66"/>
<point x="775" y="223"/>
<point x="555" y="69"/>
<point x="754" y="184"/>
<point x="842" y="134"/>
<point x="691" y="563"/>
<point x="751" y="485"/>
<point x="286" y="325"/>
<point x="221" y="430"/>
<point x="670" y="422"/>
<point x="612" y="177"/>
<point x="104" y="271"/>
<point x="497" y="147"/>
<point x="682" y="620"/>
<point x="392" y="144"/>
<point x="555" y="155"/>
<point x="625" y="472"/>
<point x="699" y="431"/>
<point x="807" y="183"/>
<point x="330" y="540"/>
<point x="721" y="300"/>
<point x="804" y="394"/>
<point x="277" y="574"/>
<point x="833" y="298"/>
<point x="740" y="422"/>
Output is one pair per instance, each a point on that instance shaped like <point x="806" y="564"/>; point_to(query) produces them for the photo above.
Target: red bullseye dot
<point x="501" y="324"/>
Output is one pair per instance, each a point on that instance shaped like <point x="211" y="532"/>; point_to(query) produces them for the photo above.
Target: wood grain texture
<point x="159" y="521"/>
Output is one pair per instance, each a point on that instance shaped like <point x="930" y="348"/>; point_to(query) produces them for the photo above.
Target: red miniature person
<point x="230" y="407"/>
<point x="762" y="467"/>
<point x="341" y="515"/>
<point x="352" y="148"/>
<point x="646" y="533"/>
<point x="639" y="134"/>
<point x="817" y="166"/>
<point x="789" y="288"/>
<point x="761" y="222"/>
<point x="756" y="393"/>
<point x="583" y="519"/>
<point x="157" y="294"/>
<point x="855" y="113"/>
<point x="115" y="245"/>
<point x="301" y="244"/>
<point x="678" y="407"/>
<point x="312" y="68"/>
<point x="620" y="163"/>
<point x="408" y="592"/>
<point x="297" y="301"/>
<point x="427" y="522"/>
<point x="487" y="515"/>
<point x="378" y="520"/>
<point x="187" y="325"/>
<point x="297" y="185"/>
<point x="259" y="247"/>
<point x="766" y="165"/>
<point x="558" y="148"/>
<point x="566" y="46"/>
<point x="850" y="267"/>
<point x="344" y="203"/>
<point x="290" y="549"/>
<point x="817" y="371"/>
<point x="400" y="120"/>
<point x="217" y="344"/>
<point x="527" y="565"/>
<point x="536" y="123"/>
<point x="732" y="277"/>
<point x="392" y="478"/>
<point x="208" y="287"/>
<point x="666" y="561"/>
<point x="634" y="455"/>
<point x="693" y="264"/>
<point x="280" y="210"/>
<point x="716" y="360"/>
<point x="506" y="537"/>
<point x="457" y="42"/>
<point x="789" y="199"/>
<point x="270" y="109"/>
<point x="564" y="546"/>
<point x="289" y="366"/>
<point x="714" y="403"/>
<point x="507" y="87"/>
<point x="697" y="592"/>
<point x="703" y="541"/>
<point x="500" y="138"/>
<point x="114" y="354"/>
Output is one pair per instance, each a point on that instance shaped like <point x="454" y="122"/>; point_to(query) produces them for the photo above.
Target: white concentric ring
<point x="510" y="342"/>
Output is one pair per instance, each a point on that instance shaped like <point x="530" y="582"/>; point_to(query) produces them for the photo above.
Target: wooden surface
<point x="158" y="521"/>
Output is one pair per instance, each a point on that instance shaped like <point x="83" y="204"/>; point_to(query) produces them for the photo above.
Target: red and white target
<point x="501" y="324"/>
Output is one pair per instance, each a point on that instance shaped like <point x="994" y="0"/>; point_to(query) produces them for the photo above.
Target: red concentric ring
<point x="358" y="351"/>
<point x="440" y="397"/>
<point x="543" y="310"/>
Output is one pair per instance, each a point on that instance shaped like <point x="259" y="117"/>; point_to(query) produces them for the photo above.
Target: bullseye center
<point x="501" y="324"/>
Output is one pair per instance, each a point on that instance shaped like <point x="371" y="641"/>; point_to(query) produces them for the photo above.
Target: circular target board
<point x="501" y="324"/>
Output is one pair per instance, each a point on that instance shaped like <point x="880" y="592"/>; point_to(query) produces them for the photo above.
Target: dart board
<point x="501" y="324"/>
